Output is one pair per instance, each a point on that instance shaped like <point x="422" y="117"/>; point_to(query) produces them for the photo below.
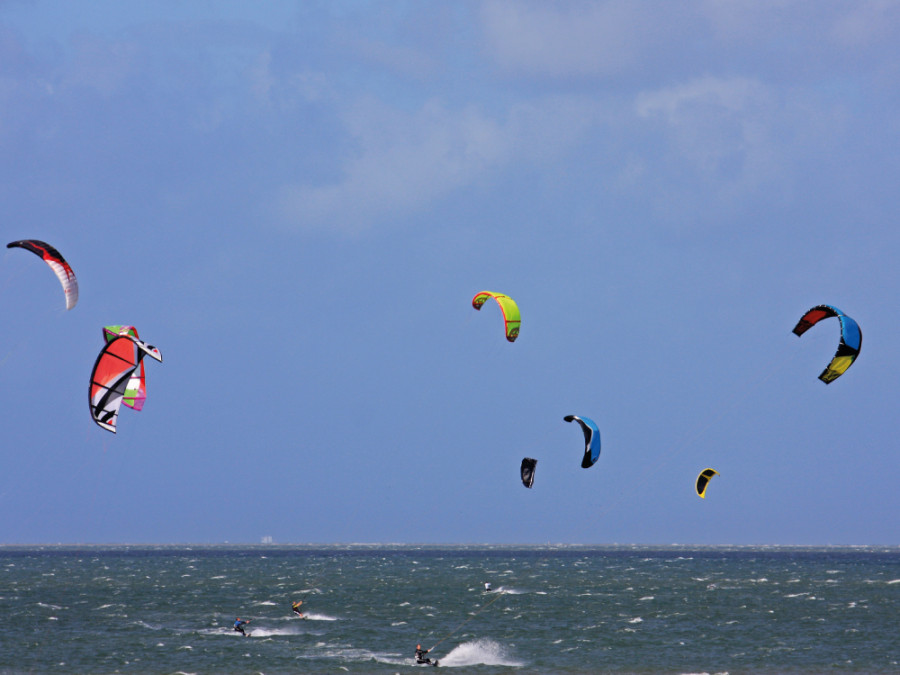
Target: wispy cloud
<point x="867" y="23"/>
<point x="713" y="122"/>
<point x="569" y="39"/>
<point x="405" y="160"/>
<point x="663" y="40"/>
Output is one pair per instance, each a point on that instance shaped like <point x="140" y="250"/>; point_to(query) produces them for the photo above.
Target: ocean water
<point x="553" y="609"/>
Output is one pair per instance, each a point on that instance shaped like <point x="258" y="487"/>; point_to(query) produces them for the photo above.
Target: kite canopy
<point x="56" y="262"/>
<point x="136" y="389"/>
<point x="113" y="371"/>
<point x="591" y="439"/>
<point x="528" y="466"/>
<point x="511" y="317"/>
<point x="703" y="480"/>
<point x="849" y="346"/>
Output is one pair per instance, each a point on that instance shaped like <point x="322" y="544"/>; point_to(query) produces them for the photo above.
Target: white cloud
<point x="404" y="161"/>
<point x="575" y="38"/>
<point x="726" y="145"/>
<point x="712" y="120"/>
<point x="669" y="41"/>
<point x="867" y="22"/>
<point x="820" y="26"/>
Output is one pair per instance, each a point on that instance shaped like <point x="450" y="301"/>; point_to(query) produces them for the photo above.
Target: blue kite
<point x="591" y="439"/>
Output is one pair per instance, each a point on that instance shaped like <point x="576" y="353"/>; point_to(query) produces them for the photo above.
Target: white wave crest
<point x="319" y="617"/>
<point x="480" y="652"/>
<point x="269" y="632"/>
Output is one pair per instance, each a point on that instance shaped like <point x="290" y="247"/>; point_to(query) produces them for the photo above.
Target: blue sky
<point x="296" y="203"/>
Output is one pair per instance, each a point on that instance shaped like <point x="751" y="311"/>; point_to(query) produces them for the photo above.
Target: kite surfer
<point x="487" y="587"/>
<point x="239" y="625"/>
<point x="421" y="658"/>
<point x="295" y="606"/>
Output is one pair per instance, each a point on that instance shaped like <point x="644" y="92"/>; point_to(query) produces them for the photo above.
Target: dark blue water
<point x="553" y="610"/>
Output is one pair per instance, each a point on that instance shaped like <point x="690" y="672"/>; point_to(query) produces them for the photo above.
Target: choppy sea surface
<point x="552" y="610"/>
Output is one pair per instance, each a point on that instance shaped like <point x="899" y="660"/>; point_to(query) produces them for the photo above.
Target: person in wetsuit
<point x="420" y="655"/>
<point x="295" y="606"/>
<point x="239" y="625"/>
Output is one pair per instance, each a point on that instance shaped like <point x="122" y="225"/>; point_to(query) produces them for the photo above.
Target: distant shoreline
<point x="504" y="548"/>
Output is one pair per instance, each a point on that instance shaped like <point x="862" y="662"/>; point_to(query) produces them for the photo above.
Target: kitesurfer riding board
<point x="423" y="660"/>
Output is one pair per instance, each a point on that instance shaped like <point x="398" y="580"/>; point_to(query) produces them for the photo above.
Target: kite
<point x="849" y="346"/>
<point x="136" y="389"/>
<point x="528" y="466"/>
<point x="511" y="317"/>
<point x="703" y="480"/>
<point x="113" y="371"/>
<point x="591" y="439"/>
<point x="56" y="262"/>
